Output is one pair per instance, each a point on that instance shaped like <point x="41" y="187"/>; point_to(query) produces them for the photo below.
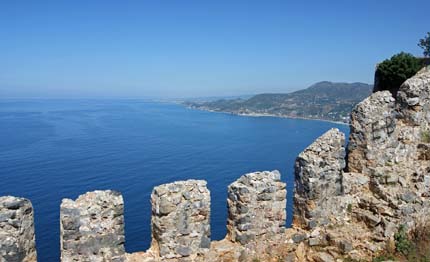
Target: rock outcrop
<point x="392" y="153"/>
<point x="92" y="228"/>
<point x="386" y="180"/>
<point x="17" y="239"/>
<point x="256" y="207"/>
<point x="181" y="220"/>
<point x="389" y="170"/>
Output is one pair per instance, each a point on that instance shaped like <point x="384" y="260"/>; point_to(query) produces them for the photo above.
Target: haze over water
<point x="54" y="149"/>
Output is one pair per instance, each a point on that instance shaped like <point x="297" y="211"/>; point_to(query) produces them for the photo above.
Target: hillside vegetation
<point x="323" y="100"/>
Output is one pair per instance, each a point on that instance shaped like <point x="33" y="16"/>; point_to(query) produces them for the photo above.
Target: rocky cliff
<point x="349" y="200"/>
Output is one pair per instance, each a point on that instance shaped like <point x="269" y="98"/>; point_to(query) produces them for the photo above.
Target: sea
<point x="53" y="149"/>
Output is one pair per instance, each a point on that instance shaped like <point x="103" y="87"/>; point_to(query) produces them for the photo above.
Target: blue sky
<point x="198" y="48"/>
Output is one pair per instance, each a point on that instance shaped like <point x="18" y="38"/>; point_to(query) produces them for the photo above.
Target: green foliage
<point x="388" y="163"/>
<point x="382" y="258"/>
<point x="403" y="244"/>
<point x="425" y="45"/>
<point x="410" y="247"/>
<point x="350" y="259"/>
<point x="396" y="70"/>
<point x="425" y="136"/>
<point x="349" y="208"/>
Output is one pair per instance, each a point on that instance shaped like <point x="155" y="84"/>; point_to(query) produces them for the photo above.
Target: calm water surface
<point x="54" y="149"/>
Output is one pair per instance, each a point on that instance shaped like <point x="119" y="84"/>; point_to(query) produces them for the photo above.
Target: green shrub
<point x="382" y="258"/>
<point x="349" y="208"/>
<point x="403" y="244"/>
<point x="392" y="72"/>
<point x="409" y="247"/>
<point x="425" y="136"/>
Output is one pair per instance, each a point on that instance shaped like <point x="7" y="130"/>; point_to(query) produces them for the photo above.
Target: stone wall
<point x="92" y="227"/>
<point x="256" y="206"/>
<point x="181" y="219"/>
<point x="17" y="239"/>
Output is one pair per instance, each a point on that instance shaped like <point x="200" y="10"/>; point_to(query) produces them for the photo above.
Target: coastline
<point x="267" y="115"/>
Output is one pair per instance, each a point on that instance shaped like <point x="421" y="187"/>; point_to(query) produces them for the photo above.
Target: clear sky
<point x="198" y="48"/>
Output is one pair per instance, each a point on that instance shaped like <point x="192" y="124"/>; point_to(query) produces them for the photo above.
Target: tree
<point x="425" y="45"/>
<point x="392" y="72"/>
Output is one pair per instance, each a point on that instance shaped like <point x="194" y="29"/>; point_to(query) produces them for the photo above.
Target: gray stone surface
<point x="318" y="178"/>
<point x="414" y="99"/>
<point x="372" y="138"/>
<point x="389" y="143"/>
<point x="17" y="239"/>
<point x="256" y="206"/>
<point x="92" y="227"/>
<point x="181" y="219"/>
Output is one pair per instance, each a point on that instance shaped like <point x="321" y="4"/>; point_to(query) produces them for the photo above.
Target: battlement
<point x="92" y="226"/>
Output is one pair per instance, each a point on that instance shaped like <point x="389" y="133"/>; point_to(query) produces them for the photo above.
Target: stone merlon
<point x="318" y="175"/>
<point x="17" y="239"/>
<point x="256" y="206"/>
<point x="181" y="219"/>
<point x="92" y="227"/>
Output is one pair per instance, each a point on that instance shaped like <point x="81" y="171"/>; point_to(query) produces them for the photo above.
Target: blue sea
<point x="55" y="149"/>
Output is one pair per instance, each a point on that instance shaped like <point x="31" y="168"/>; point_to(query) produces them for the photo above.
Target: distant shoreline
<point x="267" y="115"/>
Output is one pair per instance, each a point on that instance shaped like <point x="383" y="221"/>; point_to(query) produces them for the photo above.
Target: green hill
<point x="323" y="100"/>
